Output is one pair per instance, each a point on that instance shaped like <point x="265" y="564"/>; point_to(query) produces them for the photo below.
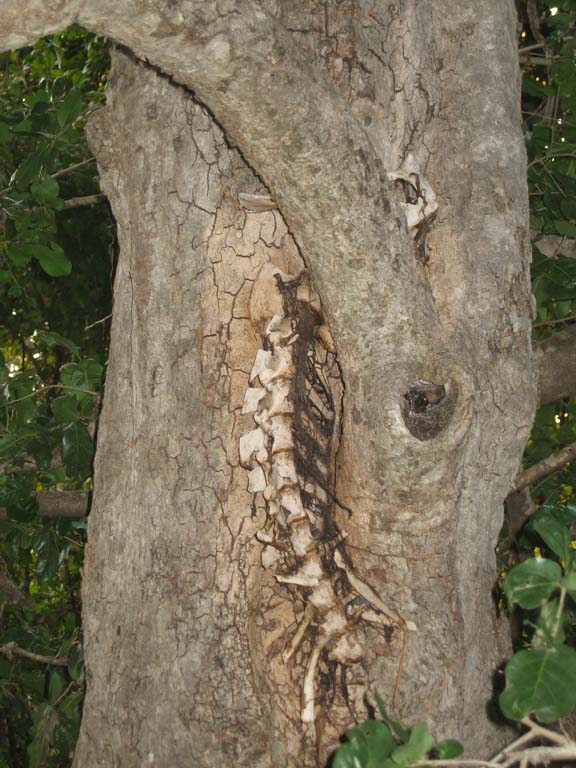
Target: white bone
<point x="256" y="480"/>
<point x="308" y="714"/>
<point x="292" y="502"/>
<point x="298" y="636"/>
<point x="256" y="203"/>
<point x="270" y="556"/>
<point x="261" y="362"/>
<point x="278" y="365"/>
<point x="250" y="444"/>
<point x="278" y="401"/>
<point x="346" y="651"/>
<point x="252" y="398"/>
<point x="325" y="337"/>
<point x="308" y="575"/>
<point x="301" y="539"/>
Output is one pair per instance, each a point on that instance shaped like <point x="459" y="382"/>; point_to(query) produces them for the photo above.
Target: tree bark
<point x="184" y="629"/>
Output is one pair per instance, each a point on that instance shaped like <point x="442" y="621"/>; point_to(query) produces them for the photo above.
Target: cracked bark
<point x="322" y="100"/>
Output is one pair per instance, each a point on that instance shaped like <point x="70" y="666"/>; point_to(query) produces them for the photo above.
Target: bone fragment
<point x="261" y="362"/>
<point x="256" y="480"/>
<point x="265" y="298"/>
<point x="256" y="203"/>
<point x="298" y="635"/>
<point x="252" y="398"/>
<point x="308" y="711"/>
<point x="253" y="444"/>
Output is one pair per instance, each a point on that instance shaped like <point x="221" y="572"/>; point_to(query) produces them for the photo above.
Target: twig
<point x="102" y="320"/>
<point x="45" y="389"/>
<point x="546" y="467"/>
<point x="551" y="157"/>
<point x="532" y="47"/>
<point x="72" y="168"/>
<point x="11" y="649"/>
<point x="544" y="323"/>
<point x="59" y="174"/>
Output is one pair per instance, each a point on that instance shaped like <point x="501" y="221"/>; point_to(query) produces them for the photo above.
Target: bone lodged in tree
<point x="295" y="394"/>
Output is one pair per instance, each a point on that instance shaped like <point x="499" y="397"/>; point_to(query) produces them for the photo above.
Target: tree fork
<point x="322" y="118"/>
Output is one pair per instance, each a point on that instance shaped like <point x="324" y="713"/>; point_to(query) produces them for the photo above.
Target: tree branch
<point x="11" y="649"/>
<point x="13" y="594"/>
<point x="52" y="504"/>
<point x="76" y="202"/>
<point x="556" y="361"/>
<point x="546" y="467"/>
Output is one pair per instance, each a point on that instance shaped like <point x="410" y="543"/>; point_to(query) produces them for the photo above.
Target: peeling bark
<point x="429" y="315"/>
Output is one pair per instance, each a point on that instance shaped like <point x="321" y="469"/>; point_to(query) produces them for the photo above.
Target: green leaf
<point x="77" y="450"/>
<point x="542" y="683"/>
<point x="87" y="374"/>
<point x="31" y="167"/>
<point x="448" y="749"/>
<point x="46" y="191"/>
<point x="48" y="561"/>
<point x="70" y="108"/>
<point x="569" y="584"/>
<point x="346" y="757"/>
<point x="56" y="685"/>
<point x="76" y="663"/>
<point x="5" y="133"/>
<point x="52" y="339"/>
<point x="376" y="738"/>
<point x="549" y="630"/>
<point x="53" y="261"/>
<point x="530" y="583"/>
<point x="418" y="746"/>
<point x="400" y="732"/>
<point x="568" y="206"/>
<point x="565" y="228"/>
<point x="556" y="537"/>
<point x="66" y="408"/>
<point x="21" y="253"/>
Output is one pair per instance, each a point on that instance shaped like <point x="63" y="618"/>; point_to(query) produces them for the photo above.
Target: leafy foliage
<point x="541" y="680"/>
<point x="385" y="744"/>
<point x="53" y="256"/>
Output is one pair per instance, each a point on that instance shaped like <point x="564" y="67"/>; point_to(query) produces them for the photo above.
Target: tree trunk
<point x="400" y="451"/>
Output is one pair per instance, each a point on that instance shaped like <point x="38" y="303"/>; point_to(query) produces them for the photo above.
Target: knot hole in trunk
<point x="427" y="407"/>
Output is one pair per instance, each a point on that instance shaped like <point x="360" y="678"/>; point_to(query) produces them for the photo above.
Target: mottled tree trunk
<point x="186" y="632"/>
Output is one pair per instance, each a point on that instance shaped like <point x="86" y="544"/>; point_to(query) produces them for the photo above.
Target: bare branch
<point x="52" y="504"/>
<point x="546" y="467"/>
<point x="11" y="649"/>
<point x="98" y="322"/>
<point x="560" y="748"/>
<point x="63" y="171"/>
<point x="556" y="361"/>
<point x="77" y="202"/>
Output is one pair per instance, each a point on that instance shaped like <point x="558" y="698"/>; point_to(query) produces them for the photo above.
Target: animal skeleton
<point x="289" y="456"/>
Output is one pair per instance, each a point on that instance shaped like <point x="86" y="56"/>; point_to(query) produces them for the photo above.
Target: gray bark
<point x="184" y="629"/>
